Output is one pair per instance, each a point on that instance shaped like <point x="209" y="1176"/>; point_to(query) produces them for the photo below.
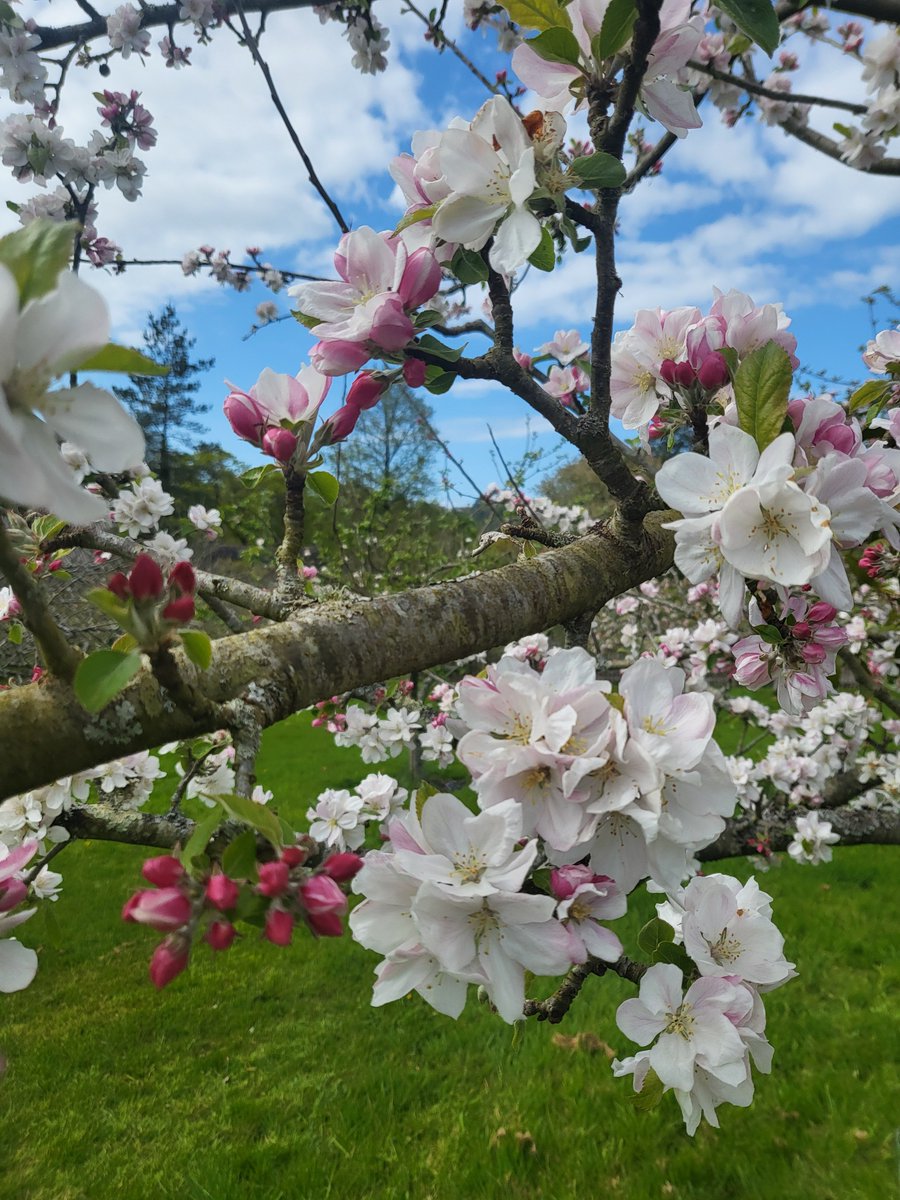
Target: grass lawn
<point x="264" y="1074"/>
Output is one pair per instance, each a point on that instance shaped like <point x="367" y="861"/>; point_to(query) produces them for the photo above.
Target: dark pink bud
<point x="280" y="444"/>
<point x="340" y="425"/>
<point x="813" y="653"/>
<point x="166" y="908"/>
<point x="246" y="417"/>
<point x="220" y="935"/>
<point x="414" y="372"/>
<point x="338" y="357"/>
<point x="326" y="924"/>
<point x="421" y="278"/>
<point x="118" y="585"/>
<point x="366" y="390"/>
<point x="222" y="892"/>
<point x="391" y="327"/>
<point x="13" y="892"/>
<point x="321" y="895"/>
<point x="146" y="579"/>
<point x="821" y="613"/>
<point x="294" y="856"/>
<point x="164" y="871"/>
<point x="667" y="370"/>
<point x="169" y="959"/>
<point x="801" y="629"/>
<point x="273" y="878"/>
<point x="565" y="880"/>
<point x="713" y="373"/>
<point x="684" y="374"/>
<point x="182" y="578"/>
<point x="180" y="610"/>
<point x="279" y="927"/>
<point x="341" y="867"/>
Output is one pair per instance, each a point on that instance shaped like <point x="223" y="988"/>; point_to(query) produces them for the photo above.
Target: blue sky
<point x="747" y="208"/>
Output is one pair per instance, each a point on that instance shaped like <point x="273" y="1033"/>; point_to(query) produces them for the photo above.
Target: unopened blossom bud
<point x="273" y="878"/>
<point x="169" y="959"/>
<point x="222" y="892"/>
<point x="524" y="360"/>
<point x="14" y="891"/>
<point x="565" y="880"/>
<point x="421" y="278"/>
<point x="279" y="927"/>
<point x="667" y="370"/>
<point x="341" y="867"/>
<point x="246" y="417"/>
<point x="414" y="372"/>
<point x="366" y="390"/>
<point x="324" y="903"/>
<point x="831" y="636"/>
<point x="118" y="585"/>
<point x="294" y="856"/>
<point x="821" y="613"/>
<point x="713" y="373"/>
<point x="180" y="610"/>
<point x="220" y="935"/>
<point x="338" y="357"/>
<point x="340" y="425"/>
<point x="163" y="871"/>
<point x="279" y="444"/>
<point x="36" y="674"/>
<point x="812" y="652"/>
<point x="310" y="572"/>
<point x="165" y="908"/>
<point x="146" y="578"/>
<point x="182" y="578"/>
<point x="801" y="629"/>
<point x="684" y="374"/>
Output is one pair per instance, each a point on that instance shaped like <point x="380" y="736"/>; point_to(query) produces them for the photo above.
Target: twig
<point x="432" y="433"/>
<point x="60" y="656"/>
<point x="511" y="478"/>
<point x="441" y="40"/>
<point x="758" y="89"/>
<point x="878" y="691"/>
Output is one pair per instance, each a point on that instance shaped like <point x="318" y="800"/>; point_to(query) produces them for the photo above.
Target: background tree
<point x="391" y="452"/>
<point x="166" y="406"/>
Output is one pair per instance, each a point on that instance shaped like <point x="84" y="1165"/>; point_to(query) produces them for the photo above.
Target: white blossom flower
<point x="813" y="840"/>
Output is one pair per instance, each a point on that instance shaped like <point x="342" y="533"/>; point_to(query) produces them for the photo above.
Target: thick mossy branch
<point x="335" y="647"/>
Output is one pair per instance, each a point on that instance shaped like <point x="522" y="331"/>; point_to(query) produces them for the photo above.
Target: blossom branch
<point x="777" y="829"/>
<point x="829" y="147"/>
<point x="758" y="89"/>
<point x="60" y="656"/>
<point x="878" y="691"/>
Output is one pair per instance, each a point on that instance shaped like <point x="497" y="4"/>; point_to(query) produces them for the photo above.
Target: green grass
<point x="264" y="1073"/>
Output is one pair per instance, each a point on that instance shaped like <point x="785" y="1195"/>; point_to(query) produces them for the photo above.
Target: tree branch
<point x="856" y="827"/>
<point x="59" y="655"/>
<point x="829" y="147"/>
<point x="757" y="89"/>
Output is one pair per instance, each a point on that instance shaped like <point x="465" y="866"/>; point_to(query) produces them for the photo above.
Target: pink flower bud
<point x="169" y="959"/>
<point x="36" y="674"/>
<point x="684" y="374"/>
<point x="421" y="278"/>
<point x="183" y="579"/>
<point x="821" y="613"/>
<point x="273" y="878"/>
<point x="13" y="892"/>
<point x="812" y="652"/>
<point x="321" y="895"/>
<point x="414" y="372"/>
<point x="366" y="390"/>
<point x="222" y="892"/>
<point x="180" y="610"/>
<point x="713" y="373"/>
<point x="294" y="856"/>
<point x="565" y="880"/>
<point x="310" y="572"/>
<point x="340" y="425"/>
<point x="391" y="327"/>
<point x="279" y="927"/>
<point x="165" y="908"/>
<point x="220" y="935"/>
<point x="667" y="370"/>
<point x="326" y="924"/>
<point x="524" y="360"/>
<point x="279" y="444"/>
<point x="338" y="357"/>
<point x="163" y="871"/>
<point x="118" y="585"/>
<point x="831" y="636"/>
<point x="341" y="867"/>
<point x="801" y="629"/>
<point x="246" y="417"/>
<point x="145" y="579"/>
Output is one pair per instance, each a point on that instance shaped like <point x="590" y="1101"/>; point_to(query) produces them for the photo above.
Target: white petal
<point x="98" y="424"/>
<point x="18" y="965"/>
<point x="64" y="328"/>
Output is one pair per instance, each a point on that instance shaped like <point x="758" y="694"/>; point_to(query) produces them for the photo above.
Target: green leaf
<point x="769" y="634"/>
<point x="650" y="1094"/>
<point x="254" y="477"/>
<point x="439" y="382"/>
<point x="616" y="29"/>
<point x="303" y="319"/>
<point x="761" y="388"/>
<point x="14" y="633"/>
<point x="124" y="361"/>
<point x="537" y="14"/>
<point x="876" y="390"/>
<point x="653" y="935"/>
<point x="756" y="18"/>
<point x="102" y="675"/>
<point x="424" y="792"/>
<point x="469" y="267"/>
<point x="46" y="527"/>
<point x="198" y="647"/>
<point x="37" y="254"/>
<point x="252" y="908"/>
<point x="668" y="952"/>
<point x="199" y="839"/>
<point x="257" y="816"/>
<point x="414" y="217"/>
<point x="428" y="316"/>
<point x="599" y="170"/>
<point x="557" y="45"/>
<point x="239" y="859"/>
<point x="435" y="346"/>
<point x="103" y="599"/>
<point x="324" y="486"/>
<point x="544" y="257"/>
<point x="125" y="643"/>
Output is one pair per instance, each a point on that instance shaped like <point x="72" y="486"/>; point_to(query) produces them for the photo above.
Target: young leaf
<point x="14" y="633"/>
<point x="557" y="45"/>
<point x="257" y="816"/>
<point x="468" y="266"/>
<point x="103" y="599"/>
<point x="124" y="360"/>
<point x="876" y="390"/>
<point x="424" y="792"/>
<point x="434" y="346"/>
<point x="199" y="839"/>
<point x="254" y="477"/>
<point x="102" y="675"/>
<point x="197" y="647"/>
<point x="654" y="934"/>
<point x="757" y="19"/>
<point x="439" y="382"/>
<point x="323" y="486"/>
<point x="544" y="257"/>
<point x="650" y="1094"/>
<point x="599" y="170"/>
<point x="537" y="14"/>
<point x="616" y="29"/>
<point x="239" y="859"/>
<point x="414" y="217"/>
<point x="37" y="254"/>
<point x="761" y="388"/>
<point x="124" y="643"/>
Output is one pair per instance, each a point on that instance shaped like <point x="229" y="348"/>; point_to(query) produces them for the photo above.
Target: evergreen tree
<point x="391" y="451"/>
<point x="166" y="406"/>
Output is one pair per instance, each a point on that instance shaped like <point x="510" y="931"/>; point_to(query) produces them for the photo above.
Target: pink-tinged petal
<point x="638" y="1023"/>
<point x="327" y="301"/>
<point x="16" y="859"/>
<point x="421" y="278"/>
<point x="671" y="106"/>
<point x="662" y="988"/>
<point x="371" y="263"/>
<point x="600" y="942"/>
<point x="550" y="80"/>
<point x="315" y="383"/>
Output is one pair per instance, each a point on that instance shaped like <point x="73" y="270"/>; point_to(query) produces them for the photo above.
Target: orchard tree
<point x="782" y="517"/>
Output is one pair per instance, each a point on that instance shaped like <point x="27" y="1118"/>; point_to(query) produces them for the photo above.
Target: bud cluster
<point x="152" y="605"/>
